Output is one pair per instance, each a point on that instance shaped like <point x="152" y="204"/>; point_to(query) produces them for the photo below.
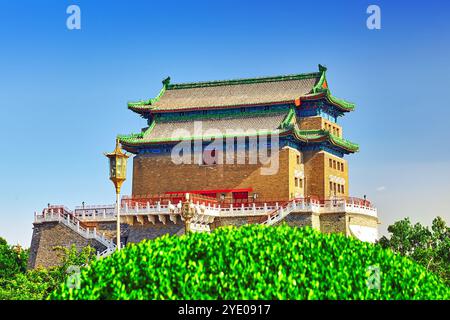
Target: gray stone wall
<point x="333" y="223"/>
<point x="47" y="236"/>
<point x="299" y="219"/>
<point x="138" y="232"/>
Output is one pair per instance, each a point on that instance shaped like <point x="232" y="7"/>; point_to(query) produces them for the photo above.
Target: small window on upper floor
<point x="334" y="164"/>
<point x="331" y="163"/>
<point x="299" y="160"/>
<point x="342" y="167"/>
<point x="337" y="131"/>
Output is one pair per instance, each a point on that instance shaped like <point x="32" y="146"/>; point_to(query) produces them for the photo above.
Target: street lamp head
<point x="117" y="166"/>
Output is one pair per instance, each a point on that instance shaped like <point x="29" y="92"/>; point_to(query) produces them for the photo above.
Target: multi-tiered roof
<point x="268" y="105"/>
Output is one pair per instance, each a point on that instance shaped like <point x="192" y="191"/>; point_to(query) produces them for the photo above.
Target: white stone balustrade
<point x="205" y="214"/>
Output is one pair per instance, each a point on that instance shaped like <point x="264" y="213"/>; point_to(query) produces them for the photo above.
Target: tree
<point x="430" y="248"/>
<point x="13" y="259"/>
<point x="16" y="283"/>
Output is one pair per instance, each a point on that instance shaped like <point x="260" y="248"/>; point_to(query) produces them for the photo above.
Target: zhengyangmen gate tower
<point x="260" y="150"/>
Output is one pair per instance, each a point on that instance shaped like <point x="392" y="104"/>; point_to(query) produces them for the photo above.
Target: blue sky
<point x="63" y="93"/>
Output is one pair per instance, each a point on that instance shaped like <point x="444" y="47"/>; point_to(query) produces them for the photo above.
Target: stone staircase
<point x="64" y="216"/>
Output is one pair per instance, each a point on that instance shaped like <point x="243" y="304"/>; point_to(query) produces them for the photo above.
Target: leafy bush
<point x="254" y="262"/>
<point x="31" y="285"/>
<point x="37" y="284"/>
<point x="13" y="259"/>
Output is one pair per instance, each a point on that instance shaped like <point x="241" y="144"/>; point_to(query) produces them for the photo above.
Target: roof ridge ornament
<point x="322" y="68"/>
<point x="166" y="81"/>
<point x="322" y="84"/>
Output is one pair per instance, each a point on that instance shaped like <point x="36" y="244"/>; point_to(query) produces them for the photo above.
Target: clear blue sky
<point x="63" y="93"/>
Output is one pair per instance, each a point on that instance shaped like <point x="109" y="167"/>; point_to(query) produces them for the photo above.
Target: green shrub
<point x="31" y="285"/>
<point x="37" y="284"/>
<point x="254" y="262"/>
<point x="12" y="260"/>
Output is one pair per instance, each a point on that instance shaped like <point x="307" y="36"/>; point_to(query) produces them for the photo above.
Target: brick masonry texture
<point x="48" y="235"/>
<point x="138" y="232"/>
<point x="333" y="223"/>
<point x="158" y="174"/>
<point x="317" y="123"/>
<point x="318" y="171"/>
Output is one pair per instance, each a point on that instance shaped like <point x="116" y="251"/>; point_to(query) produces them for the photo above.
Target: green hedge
<point x="254" y="262"/>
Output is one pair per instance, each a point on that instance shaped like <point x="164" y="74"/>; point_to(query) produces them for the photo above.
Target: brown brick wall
<point x="318" y="171"/>
<point x="317" y="123"/>
<point x="158" y="174"/>
<point x="335" y="172"/>
<point x="295" y="167"/>
<point x="314" y="172"/>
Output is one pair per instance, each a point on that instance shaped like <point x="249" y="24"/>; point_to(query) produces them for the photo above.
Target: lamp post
<point x="187" y="213"/>
<point x="117" y="174"/>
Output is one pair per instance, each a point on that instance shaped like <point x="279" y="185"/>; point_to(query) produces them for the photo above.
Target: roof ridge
<point x="221" y="116"/>
<point x="213" y="83"/>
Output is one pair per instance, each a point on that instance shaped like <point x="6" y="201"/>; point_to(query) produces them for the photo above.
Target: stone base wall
<point x="139" y="232"/>
<point x="47" y="236"/>
<point x="333" y="223"/>
<point x="235" y="221"/>
<point x="296" y="219"/>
